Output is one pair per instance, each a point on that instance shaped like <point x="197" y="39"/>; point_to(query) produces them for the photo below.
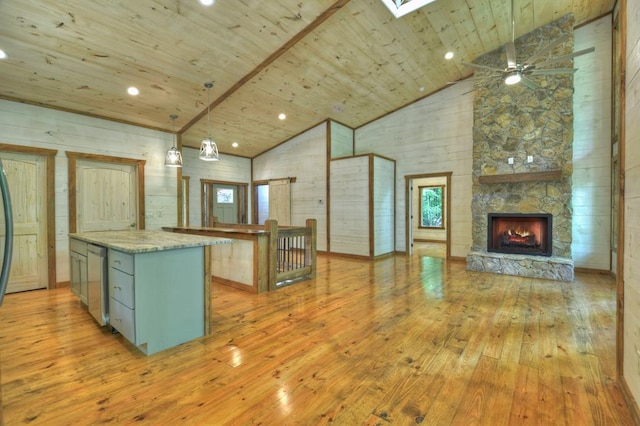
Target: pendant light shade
<point x="208" y="148"/>
<point x="173" y="157"/>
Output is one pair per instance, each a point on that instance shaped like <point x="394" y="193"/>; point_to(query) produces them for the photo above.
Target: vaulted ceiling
<point x="348" y="60"/>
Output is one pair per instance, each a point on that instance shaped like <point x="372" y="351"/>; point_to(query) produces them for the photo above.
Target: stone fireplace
<point x="522" y="164"/>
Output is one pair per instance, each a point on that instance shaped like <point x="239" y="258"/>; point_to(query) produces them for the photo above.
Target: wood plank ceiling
<point x="348" y="60"/>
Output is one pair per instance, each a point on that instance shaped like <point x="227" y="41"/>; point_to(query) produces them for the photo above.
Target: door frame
<point x="50" y="189"/>
<point x="408" y="183"/>
<point x="73" y="157"/>
<point x="243" y="198"/>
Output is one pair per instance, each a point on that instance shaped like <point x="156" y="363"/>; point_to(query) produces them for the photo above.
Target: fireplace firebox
<point x="520" y="233"/>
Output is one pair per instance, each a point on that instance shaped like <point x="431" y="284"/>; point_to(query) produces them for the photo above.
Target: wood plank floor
<point x="402" y="340"/>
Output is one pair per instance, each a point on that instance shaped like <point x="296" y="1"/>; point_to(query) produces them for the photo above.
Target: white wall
<point x="591" y="192"/>
<point x="305" y="158"/>
<point x="229" y="169"/>
<point x="631" y="273"/>
<point x="433" y="135"/>
<point x="27" y="125"/>
<point x="341" y="140"/>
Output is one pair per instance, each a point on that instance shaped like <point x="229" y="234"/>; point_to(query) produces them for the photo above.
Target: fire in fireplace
<point x="520" y="233"/>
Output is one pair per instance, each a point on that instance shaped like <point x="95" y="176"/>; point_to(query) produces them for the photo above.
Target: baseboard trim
<point x="595" y="271"/>
<point x="631" y="402"/>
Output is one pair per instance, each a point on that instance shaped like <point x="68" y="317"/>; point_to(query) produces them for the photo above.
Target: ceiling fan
<point x="519" y="72"/>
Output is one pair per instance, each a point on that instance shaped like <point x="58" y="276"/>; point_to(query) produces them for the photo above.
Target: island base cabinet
<point x="157" y="298"/>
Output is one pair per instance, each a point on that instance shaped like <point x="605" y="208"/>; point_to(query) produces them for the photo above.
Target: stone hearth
<point x="515" y="122"/>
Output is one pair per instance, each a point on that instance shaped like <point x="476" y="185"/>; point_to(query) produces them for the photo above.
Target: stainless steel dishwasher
<point x="97" y="286"/>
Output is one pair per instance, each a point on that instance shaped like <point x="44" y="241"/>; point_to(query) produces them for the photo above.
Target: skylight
<point x="402" y="7"/>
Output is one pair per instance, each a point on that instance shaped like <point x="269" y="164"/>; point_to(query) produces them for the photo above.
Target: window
<point x="225" y="196"/>
<point x="431" y="206"/>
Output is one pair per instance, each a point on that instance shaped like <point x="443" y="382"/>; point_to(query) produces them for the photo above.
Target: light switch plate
<point x="510" y="160"/>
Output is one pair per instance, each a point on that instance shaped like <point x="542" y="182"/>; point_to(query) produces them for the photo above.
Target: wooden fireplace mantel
<point x="549" y="175"/>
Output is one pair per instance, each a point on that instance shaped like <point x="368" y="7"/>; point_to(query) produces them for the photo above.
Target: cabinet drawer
<point x="78" y="246"/>
<point x="121" y="287"/>
<point x="122" y="319"/>
<point x="121" y="261"/>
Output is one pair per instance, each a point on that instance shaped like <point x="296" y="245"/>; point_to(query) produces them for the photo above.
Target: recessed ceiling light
<point x="133" y="91"/>
<point x="2" y="54"/>
<point x="207" y="2"/>
<point x="421" y="89"/>
<point x="282" y="116"/>
<point x="448" y="55"/>
<point x="235" y="144"/>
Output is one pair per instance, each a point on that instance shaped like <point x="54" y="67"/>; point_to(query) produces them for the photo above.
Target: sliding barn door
<point x="280" y="201"/>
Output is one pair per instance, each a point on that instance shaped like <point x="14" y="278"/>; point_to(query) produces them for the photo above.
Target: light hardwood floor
<point x="402" y="340"/>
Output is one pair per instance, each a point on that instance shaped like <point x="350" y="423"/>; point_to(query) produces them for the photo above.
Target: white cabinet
<point x="78" y="268"/>
<point x="157" y="298"/>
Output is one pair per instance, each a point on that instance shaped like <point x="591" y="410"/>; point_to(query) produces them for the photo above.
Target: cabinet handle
<point x="117" y="287"/>
<point x="117" y="261"/>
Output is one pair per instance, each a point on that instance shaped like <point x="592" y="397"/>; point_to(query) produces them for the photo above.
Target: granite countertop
<point x="147" y="241"/>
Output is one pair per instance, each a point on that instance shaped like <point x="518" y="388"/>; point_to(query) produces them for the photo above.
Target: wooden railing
<point x="280" y="255"/>
<point x="292" y="251"/>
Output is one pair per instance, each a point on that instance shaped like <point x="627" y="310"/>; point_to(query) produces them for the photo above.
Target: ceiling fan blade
<point x="550" y="71"/>
<point x="472" y="79"/>
<point x="510" y="50"/>
<point x="542" y="52"/>
<point x="482" y="67"/>
<point x="566" y="57"/>
<point x="528" y="83"/>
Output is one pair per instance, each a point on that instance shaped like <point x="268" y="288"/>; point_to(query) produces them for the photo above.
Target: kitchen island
<point x="159" y="288"/>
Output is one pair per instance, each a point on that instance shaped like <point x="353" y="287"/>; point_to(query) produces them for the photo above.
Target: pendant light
<point x="173" y="157"/>
<point x="208" y="148"/>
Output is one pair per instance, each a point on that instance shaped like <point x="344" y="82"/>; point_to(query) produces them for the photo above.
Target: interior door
<point x="225" y="203"/>
<point x="26" y="177"/>
<point x="106" y="196"/>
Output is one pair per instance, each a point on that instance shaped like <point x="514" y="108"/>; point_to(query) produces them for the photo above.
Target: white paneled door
<point x="26" y="176"/>
<point x="106" y="196"/>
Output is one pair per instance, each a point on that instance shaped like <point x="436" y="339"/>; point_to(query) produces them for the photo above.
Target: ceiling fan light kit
<point x="513" y="77"/>
<point x="516" y="72"/>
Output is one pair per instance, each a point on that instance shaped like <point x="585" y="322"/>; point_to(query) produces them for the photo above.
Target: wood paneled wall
<point x="349" y="212"/>
<point x="341" y="140"/>
<point x="304" y="158"/>
<point x="383" y="206"/>
<point x="430" y="136"/>
<point x="631" y="271"/>
<point x="591" y="246"/>
<point x="229" y="169"/>
<point x="28" y="125"/>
